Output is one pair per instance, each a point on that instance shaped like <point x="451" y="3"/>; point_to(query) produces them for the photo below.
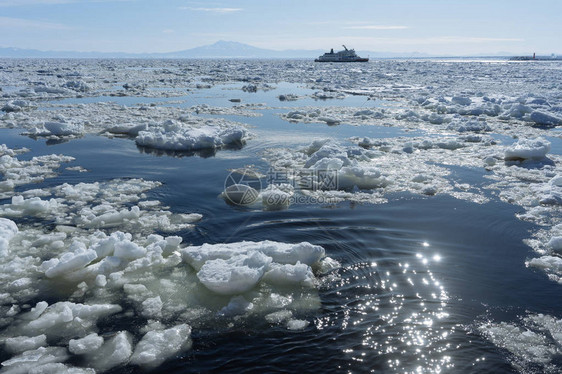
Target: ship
<point x="347" y="55"/>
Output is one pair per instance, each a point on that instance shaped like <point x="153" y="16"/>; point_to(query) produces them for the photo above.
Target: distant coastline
<point x="536" y="58"/>
<point x="235" y="50"/>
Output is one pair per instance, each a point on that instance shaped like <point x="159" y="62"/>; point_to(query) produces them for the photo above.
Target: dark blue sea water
<point x="417" y="272"/>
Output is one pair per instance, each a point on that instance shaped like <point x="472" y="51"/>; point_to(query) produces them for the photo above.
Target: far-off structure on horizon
<point x="537" y="58"/>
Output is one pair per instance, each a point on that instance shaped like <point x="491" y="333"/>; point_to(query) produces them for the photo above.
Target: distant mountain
<point x="226" y="49"/>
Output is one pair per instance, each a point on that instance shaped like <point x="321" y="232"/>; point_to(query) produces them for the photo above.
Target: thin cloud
<point x="8" y="3"/>
<point x="376" y="27"/>
<point x="462" y="39"/>
<point x="14" y="3"/>
<point x="212" y="10"/>
<point x="9" y="22"/>
<point x="373" y="42"/>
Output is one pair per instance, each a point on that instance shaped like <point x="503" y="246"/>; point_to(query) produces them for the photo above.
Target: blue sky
<point x="445" y="27"/>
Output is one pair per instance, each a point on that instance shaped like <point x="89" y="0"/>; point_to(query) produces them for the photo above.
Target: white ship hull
<point x="347" y="55"/>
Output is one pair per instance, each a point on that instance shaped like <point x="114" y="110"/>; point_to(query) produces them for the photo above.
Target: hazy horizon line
<point x="427" y="54"/>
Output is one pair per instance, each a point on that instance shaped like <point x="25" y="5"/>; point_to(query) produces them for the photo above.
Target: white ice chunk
<point x="66" y="317"/>
<point x="362" y="177"/>
<point x="525" y="344"/>
<point x="555" y="243"/>
<point x="87" y="344"/>
<point x="288" y="274"/>
<point x="152" y="307"/>
<point x="534" y="149"/>
<point x="77" y="85"/>
<point x="474" y="126"/>
<point x="128" y="129"/>
<point x="297" y="324"/>
<point x="461" y="100"/>
<point x="29" y="360"/>
<point x="69" y="261"/>
<point x="157" y="346"/>
<point x="238" y="305"/>
<point x="114" y="352"/>
<point x="59" y="368"/>
<point x="63" y="128"/>
<point x="15" y="106"/>
<point x="279" y="316"/>
<point x="8" y="229"/>
<point x="328" y="150"/>
<point x="34" y="206"/>
<point x="549" y="323"/>
<point x="21" y="344"/>
<point x="177" y="137"/>
<point x="235" y="275"/>
<point x="284" y="253"/>
<point x="549" y="263"/>
<point x="101" y="280"/>
<point x="545" y="119"/>
<point x="129" y="250"/>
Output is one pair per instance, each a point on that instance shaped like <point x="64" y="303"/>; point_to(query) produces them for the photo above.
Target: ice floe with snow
<point x="247" y="279"/>
<point x="533" y="343"/>
<point x="376" y="167"/>
<point x="246" y="110"/>
<point x="16" y="172"/>
<point x="100" y="205"/>
<point x="176" y="136"/>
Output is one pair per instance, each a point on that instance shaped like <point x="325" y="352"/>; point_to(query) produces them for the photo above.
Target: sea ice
<point x="545" y="119"/>
<point x="524" y="344"/>
<point x="63" y="128"/>
<point x="20" y="344"/>
<point x="158" y="345"/>
<point x="286" y="274"/>
<point x="236" y="275"/>
<point x="87" y="344"/>
<point x="130" y="129"/>
<point x="279" y="317"/>
<point x="535" y="341"/>
<point x="297" y="324"/>
<point x="15" y="106"/>
<point x="8" y="229"/>
<point x="176" y="136"/>
<point x="237" y="305"/>
<point x="534" y="149"/>
<point x="114" y="352"/>
<point x="18" y="173"/>
<point x="32" y="360"/>
<point x="77" y="258"/>
<point x="67" y="319"/>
